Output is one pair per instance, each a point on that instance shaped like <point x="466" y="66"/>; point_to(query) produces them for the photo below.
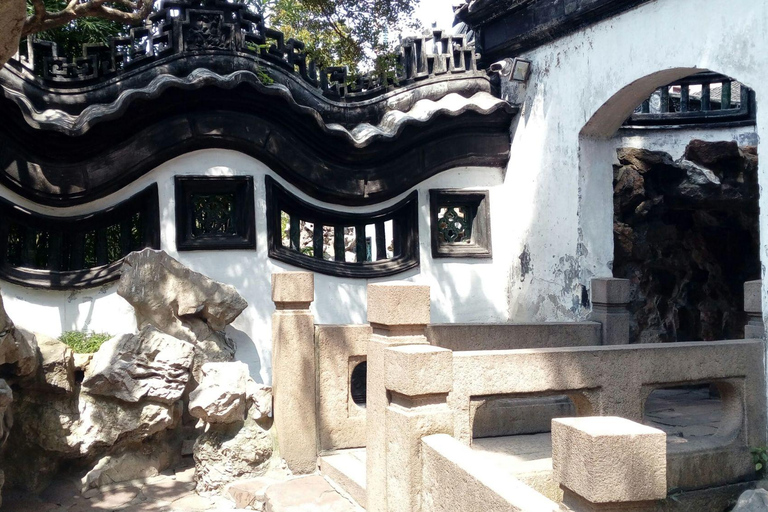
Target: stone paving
<point x="684" y="412"/>
<point x="174" y="491"/>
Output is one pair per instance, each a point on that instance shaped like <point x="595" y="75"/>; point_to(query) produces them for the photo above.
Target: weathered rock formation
<point x="227" y="452"/>
<point x="182" y="303"/>
<point x="220" y="396"/>
<point x="150" y="365"/>
<point x="174" y="299"/>
<point x="18" y="349"/>
<point x="13" y="13"/>
<point x="686" y="235"/>
<point x="752" y="501"/>
<point x="119" y="414"/>
<point x="236" y="443"/>
<point x="57" y="366"/>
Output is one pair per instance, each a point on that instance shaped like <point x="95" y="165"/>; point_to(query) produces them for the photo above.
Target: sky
<point x="440" y="11"/>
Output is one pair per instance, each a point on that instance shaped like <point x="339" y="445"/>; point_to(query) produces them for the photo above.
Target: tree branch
<point x="42" y="20"/>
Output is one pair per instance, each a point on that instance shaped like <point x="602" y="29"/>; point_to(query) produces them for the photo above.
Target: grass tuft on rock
<point x="84" y="342"/>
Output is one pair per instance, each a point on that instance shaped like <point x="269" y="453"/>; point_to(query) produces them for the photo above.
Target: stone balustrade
<point x="461" y="337"/>
<point x="293" y="369"/>
<point x="753" y="306"/>
<point x="455" y="477"/>
<point x="610" y="297"/>
<point x="417" y="393"/>
<point x="418" y="379"/>
<point x="616" y="381"/>
<point x="398" y="314"/>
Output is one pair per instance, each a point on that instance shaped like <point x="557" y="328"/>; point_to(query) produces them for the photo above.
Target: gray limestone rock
<point x="221" y="395"/>
<point x="80" y="425"/>
<point x="150" y="365"/>
<point x="6" y="417"/>
<point x="216" y="348"/>
<point x="143" y="460"/>
<point x="17" y="347"/>
<point x="752" y="501"/>
<point x="229" y="452"/>
<point x="259" y="399"/>
<point x="57" y="366"/>
<point x="176" y="300"/>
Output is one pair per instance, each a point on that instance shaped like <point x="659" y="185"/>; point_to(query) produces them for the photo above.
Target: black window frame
<point x="67" y="267"/>
<point x="404" y="215"/>
<point x="245" y="215"/>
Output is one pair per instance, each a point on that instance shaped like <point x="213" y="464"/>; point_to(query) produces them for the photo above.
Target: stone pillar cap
<point x="753" y="296"/>
<point x="610" y="290"/>
<point x="398" y="304"/>
<point x="293" y="287"/>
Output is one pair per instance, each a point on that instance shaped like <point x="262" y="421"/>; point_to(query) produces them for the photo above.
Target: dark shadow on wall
<point x="686" y="233"/>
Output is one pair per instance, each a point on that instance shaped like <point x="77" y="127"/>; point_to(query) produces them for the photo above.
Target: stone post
<point x="418" y="380"/>
<point x="293" y="369"/>
<point x="610" y="298"/>
<point x="753" y="306"/>
<point x="398" y="314"/>
<point x="607" y="463"/>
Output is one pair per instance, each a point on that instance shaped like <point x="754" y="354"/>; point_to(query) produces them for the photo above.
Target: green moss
<point x="84" y="342"/>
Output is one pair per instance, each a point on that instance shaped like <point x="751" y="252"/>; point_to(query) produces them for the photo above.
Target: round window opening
<point x="358" y="383"/>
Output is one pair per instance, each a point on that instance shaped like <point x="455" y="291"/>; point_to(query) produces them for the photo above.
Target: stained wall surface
<point x="560" y="173"/>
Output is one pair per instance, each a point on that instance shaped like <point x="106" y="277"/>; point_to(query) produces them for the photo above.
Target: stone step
<point x="347" y="470"/>
<point x="306" y="494"/>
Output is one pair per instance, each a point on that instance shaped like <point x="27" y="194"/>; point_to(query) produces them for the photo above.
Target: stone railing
<point x="216" y="26"/>
<point x="602" y="463"/>
<point x="462" y="337"/>
<point x="416" y="389"/>
<point x="414" y="398"/>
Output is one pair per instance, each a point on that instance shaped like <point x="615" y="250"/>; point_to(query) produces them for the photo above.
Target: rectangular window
<point x="460" y="224"/>
<point x="215" y="213"/>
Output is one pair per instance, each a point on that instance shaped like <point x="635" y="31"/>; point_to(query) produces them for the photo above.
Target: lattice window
<point x="214" y="213"/>
<point x="454" y="225"/>
<point x="460" y="224"/>
<point x="339" y="243"/>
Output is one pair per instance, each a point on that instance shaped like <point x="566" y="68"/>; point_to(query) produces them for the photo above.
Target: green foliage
<point x="72" y="36"/>
<point x="84" y="342"/>
<point x="760" y="459"/>
<point x="336" y="32"/>
<point x="340" y="32"/>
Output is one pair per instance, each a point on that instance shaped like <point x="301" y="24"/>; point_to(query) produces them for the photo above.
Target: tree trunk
<point x="12" y="16"/>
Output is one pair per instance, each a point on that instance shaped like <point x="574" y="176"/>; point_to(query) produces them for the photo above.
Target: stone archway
<point x="679" y="219"/>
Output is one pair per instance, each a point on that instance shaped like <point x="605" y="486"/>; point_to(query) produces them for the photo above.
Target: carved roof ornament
<point x="191" y="26"/>
<point x="210" y="73"/>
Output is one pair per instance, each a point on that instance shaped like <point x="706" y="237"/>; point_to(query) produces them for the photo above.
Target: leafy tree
<point x="71" y="23"/>
<point x="341" y="32"/>
<point x="52" y="21"/>
<point x="336" y="32"/>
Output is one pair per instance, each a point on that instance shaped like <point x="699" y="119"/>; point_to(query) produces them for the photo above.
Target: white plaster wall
<point x="551" y="208"/>
<point x="564" y="216"/>
<point x="462" y="290"/>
